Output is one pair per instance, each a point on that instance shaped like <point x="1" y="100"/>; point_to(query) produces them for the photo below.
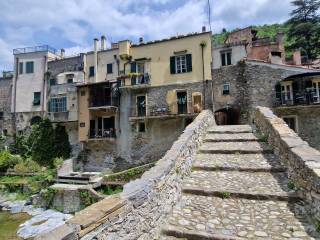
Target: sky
<point x="73" y="24"/>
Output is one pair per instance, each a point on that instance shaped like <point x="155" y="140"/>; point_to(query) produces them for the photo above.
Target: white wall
<point x="238" y="53"/>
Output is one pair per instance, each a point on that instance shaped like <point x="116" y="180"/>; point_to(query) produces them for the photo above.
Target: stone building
<point x="297" y="101"/>
<point x="5" y="103"/>
<point x="62" y="98"/>
<point x="138" y="98"/>
<point x="29" y="92"/>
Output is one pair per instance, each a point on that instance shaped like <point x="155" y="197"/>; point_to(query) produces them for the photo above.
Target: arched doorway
<point x="35" y="120"/>
<point x="227" y="116"/>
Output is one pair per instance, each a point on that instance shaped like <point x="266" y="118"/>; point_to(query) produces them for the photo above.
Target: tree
<point x="41" y="142"/>
<point x="304" y="27"/>
<point x="62" y="145"/>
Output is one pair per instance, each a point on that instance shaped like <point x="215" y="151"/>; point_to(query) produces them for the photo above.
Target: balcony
<point x="103" y="97"/>
<point x="102" y="134"/>
<point x="42" y="48"/>
<point x="135" y="81"/>
<point x="296" y="98"/>
<point x="59" y="116"/>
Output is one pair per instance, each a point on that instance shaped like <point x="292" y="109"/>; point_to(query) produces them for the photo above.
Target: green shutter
<point x="133" y="67"/>
<point x="173" y="65"/>
<point x="189" y="62"/>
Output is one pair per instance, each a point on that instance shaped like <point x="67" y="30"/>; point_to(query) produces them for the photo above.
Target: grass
<point x="110" y="191"/>
<point x="225" y="195"/>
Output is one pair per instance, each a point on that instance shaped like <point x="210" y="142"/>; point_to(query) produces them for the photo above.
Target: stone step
<point x="235" y="147"/>
<point x="72" y="181"/>
<point x="229" y="137"/>
<point x="231" y="129"/>
<point x="238" y="162"/>
<point x="211" y="217"/>
<point x="250" y="185"/>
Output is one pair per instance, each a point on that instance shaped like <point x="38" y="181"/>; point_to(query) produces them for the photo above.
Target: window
<point x="36" y="98"/>
<point x="226" y="89"/>
<point x="52" y="82"/>
<point x="1" y="115"/>
<point x="109" y="68"/>
<point x="70" y="80"/>
<point x="226" y="58"/>
<point x="58" y="104"/>
<point x="29" y="67"/>
<point x="91" y="71"/>
<point x="181" y="64"/>
<point x="21" y="68"/>
<point x="291" y="121"/>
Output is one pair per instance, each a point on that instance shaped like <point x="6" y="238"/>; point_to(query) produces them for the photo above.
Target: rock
<point x="260" y="234"/>
<point x="17" y="206"/>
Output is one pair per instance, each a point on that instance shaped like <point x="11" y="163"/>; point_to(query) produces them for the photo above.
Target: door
<point x="286" y="93"/>
<point x="141" y="106"/>
<point x="197" y="103"/>
<point x="92" y="128"/>
<point x="108" y="127"/>
<point x="182" y="102"/>
<point x="316" y="92"/>
<point x="99" y="132"/>
<point x="291" y="122"/>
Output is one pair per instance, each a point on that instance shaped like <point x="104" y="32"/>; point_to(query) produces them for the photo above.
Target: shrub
<point x="61" y="145"/>
<point x="8" y="160"/>
<point x="57" y="162"/>
<point x="27" y="166"/>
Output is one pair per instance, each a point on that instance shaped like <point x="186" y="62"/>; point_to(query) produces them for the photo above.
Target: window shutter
<point x="278" y="90"/>
<point x="189" y="62"/>
<point x="133" y="67"/>
<point x="173" y="65"/>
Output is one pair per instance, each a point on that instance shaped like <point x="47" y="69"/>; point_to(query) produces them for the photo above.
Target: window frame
<point x="226" y="91"/>
<point x="110" y="71"/>
<point x="180" y="67"/>
<point x="91" y="71"/>
<point x="29" y="70"/>
<point x="295" y="117"/>
<point x="58" y="106"/>
<point x="225" y="59"/>
<point x="38" y="102"/>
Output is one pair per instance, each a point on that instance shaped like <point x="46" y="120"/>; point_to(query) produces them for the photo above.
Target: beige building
<point x="137" y="98"/>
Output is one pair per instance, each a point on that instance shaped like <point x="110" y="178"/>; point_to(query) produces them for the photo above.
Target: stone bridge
<point x="258" y="181"/>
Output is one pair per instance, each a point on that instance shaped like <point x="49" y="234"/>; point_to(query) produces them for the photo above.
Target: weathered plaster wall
<point x="308" y="122"/>
<point x="238" y="53"/>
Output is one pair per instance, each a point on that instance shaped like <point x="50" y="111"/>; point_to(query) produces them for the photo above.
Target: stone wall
<point x="308" y="122"/>
<point x="302" y="160"/>
<point x="5" y="104"/>
<point x="144" y="203"/>
<point x="251" y="84"/>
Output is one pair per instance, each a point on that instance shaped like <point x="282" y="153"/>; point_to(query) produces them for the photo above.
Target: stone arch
<point x="227" y="116"/>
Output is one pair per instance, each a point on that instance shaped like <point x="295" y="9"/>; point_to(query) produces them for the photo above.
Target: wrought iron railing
<point x="297" y="98"/>
<point x="102" y="133"/>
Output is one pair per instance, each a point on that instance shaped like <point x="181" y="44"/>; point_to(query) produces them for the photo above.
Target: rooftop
<point x="42" y="48"/>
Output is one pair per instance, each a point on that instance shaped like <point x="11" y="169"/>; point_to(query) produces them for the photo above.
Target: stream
<point x="9" y="224"/>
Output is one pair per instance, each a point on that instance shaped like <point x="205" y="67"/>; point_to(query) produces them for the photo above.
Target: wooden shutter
<point x="133" y="67"/>
<point x="189" y="62"/>
<point x="173" y="65"/>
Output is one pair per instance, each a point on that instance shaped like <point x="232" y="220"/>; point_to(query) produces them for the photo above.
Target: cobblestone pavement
<point x="234" y="194"/>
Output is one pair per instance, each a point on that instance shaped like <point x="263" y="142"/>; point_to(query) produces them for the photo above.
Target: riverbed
<point x="9" y="224"/>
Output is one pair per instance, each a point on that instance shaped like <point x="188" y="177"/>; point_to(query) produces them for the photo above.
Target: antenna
<point x="209" y="14"/>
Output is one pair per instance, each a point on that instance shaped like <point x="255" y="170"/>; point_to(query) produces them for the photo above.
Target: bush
<point x="58" y="162"/>
<point x="62" y="145"/>
<point x="8" y="160"/>
<point x="27" y="166"/>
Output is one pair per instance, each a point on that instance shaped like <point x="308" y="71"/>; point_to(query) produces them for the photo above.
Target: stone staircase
<point x="238" y="189"/>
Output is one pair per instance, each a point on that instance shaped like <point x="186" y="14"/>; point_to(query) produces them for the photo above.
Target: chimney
<point x="204" y="29"/>
<point x="297" y="57"/>
<point x="95" y="49"/>
<point x="103" y="43"/>
<point x="140" y="40"/>
<point x="62" y="53"/>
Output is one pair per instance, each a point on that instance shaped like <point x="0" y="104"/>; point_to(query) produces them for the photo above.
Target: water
<point x="9" y="224"/>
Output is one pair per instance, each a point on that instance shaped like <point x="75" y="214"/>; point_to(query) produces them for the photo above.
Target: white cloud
<point x="79" y="21"/>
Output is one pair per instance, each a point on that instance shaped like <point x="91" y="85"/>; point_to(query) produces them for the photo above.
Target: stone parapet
<point x="303" y="161"/>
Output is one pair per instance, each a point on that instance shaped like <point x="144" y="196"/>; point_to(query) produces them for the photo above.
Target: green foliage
<point x="42" y="143"/>
<point x="62" y="145"/>
<point x="291" y="185"/>
<point x="27" y="166"/>
<point x="57" y="162"/>
<point x="225" y="195"/>
<point x="48" y="195"/>
<point x="304" y="27"/>
<point x="8" y="160"/>
<point x="86" y="199"/>
<point x="128" y="175"/>
<point x="263" y="137"/>
<point x="110" y="191"/>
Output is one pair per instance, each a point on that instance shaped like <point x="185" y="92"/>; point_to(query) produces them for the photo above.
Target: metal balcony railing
<point x="297" y="98"/>
<point x="136" y="80"/>
<point x="42" y="48"/>
<point x="102" y="133"/>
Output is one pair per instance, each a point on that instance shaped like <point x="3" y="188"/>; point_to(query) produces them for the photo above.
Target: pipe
<point x="95" y="47"/>
<point x="44" y="84"/>
<point x="14" y="125"/>
<point x="203" y="77"/>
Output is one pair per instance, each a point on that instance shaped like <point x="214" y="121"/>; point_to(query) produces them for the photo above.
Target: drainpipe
<point x="95" y="47"/>
<point x="43" y="95"/>
<point x="203" y="44"/>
